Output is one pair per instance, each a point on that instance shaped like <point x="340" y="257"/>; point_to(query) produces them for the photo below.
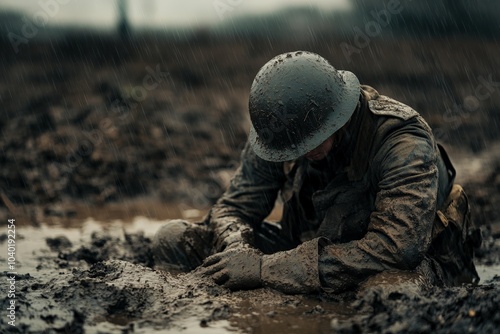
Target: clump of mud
<point x="59" y="243"/>
<point x="136" y="248"/>
<point x="472" y="309"/>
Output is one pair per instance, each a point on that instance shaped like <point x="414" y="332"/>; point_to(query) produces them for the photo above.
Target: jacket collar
<point x="362" y="130"/>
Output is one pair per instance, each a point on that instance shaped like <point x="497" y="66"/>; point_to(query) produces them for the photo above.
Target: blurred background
<point x="112" y="101"/>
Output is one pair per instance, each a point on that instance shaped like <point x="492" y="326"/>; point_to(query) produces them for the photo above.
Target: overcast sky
<point x="159" y="12"/>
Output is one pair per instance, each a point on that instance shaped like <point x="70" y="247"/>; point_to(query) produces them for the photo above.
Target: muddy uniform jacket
<point x="369" y="206"/>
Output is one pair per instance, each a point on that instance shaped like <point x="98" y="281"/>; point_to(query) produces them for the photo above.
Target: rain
<point x="118" y="116"/>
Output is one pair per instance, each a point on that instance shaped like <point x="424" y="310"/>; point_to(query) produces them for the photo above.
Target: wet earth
<point x="100" y="278"/>
<point x="90" y="171"/>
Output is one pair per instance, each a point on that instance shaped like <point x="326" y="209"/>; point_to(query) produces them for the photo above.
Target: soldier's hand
<point x="228" y="241"/>
<point x="232" y="235"/>
<point x="235" y="269"/>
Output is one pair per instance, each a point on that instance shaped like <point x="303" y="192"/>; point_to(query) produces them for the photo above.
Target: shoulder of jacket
<point x="386" y="106"/>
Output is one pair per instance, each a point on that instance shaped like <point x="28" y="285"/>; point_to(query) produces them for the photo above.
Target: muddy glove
<point x="230" y="233"/>
<point x="235" y="269"/>
<point x="293" y="271"/>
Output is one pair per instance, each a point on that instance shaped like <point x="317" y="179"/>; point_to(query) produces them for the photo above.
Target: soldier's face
<point x="320" y="152"/>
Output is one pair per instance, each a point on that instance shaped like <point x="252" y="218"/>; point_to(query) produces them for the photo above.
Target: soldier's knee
<point x="181" y="245"/>
<point x="170" y="234"/>
<point x="166" y="244"/>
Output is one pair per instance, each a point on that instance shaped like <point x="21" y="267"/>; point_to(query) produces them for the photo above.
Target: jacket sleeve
<point x="399" y="231"/>
<point x="251" y="194"/>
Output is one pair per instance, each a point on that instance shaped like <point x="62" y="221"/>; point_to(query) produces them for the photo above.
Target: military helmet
<point x="298" y="100"/>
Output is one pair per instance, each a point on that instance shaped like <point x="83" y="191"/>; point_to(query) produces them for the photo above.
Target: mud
<point x="89" y="173"/>
<point x="449" y="310"/>
<point x="104" y="282"/>
<point x="87" y="128"/>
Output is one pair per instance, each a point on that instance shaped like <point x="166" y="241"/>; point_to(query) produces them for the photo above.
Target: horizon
<point x="157" y="14"/>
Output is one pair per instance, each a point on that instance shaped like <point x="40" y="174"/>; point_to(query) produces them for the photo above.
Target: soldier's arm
<point x="399" y="232"/>
<point x="248" y="200"/>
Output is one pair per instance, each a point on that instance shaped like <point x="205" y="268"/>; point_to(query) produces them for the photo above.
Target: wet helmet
<point x="297" y="101"/>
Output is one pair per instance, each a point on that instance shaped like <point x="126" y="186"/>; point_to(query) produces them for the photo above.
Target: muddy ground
<point x="103" y="141"/>
<point x="100" y="277"/>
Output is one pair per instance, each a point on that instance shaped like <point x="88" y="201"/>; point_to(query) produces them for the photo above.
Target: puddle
<point x="296" y="315"/>
<point x="77" y="214"/>
<point x="189" y="326"/>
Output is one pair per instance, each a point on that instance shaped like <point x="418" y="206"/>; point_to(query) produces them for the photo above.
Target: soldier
<point x="365" y="189"/>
